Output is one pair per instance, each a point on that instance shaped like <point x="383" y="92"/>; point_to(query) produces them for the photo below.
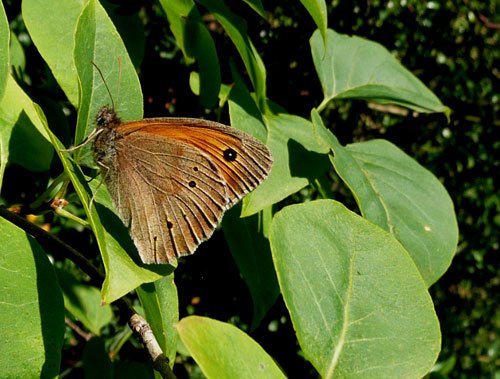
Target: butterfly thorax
<point x="104" y="143"/>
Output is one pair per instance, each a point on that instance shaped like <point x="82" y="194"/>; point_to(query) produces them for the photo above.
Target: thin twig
<point x="86" y="336"/>
<point x="142" y="328"/>
<point x="59" y="248"/>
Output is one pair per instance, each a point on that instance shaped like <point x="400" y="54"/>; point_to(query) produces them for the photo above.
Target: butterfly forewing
<point x="243" y="160"/>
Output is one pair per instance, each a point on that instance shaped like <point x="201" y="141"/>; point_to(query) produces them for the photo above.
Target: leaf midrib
<point x="343" y="333"/>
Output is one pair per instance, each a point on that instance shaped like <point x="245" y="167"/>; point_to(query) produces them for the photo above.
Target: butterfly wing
<point x="174" y="179"/>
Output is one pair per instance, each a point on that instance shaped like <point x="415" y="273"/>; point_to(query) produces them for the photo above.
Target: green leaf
<point x="298" y="159"/>
<point x="236" y="28"/>
<point x="396" y="193"/>
<point x="83" y="301"/>
<point x="247" y="240"/>
<point x="124" y="271"/>
<point x="52" y="25"/>
<point x="257" y="6"/>
<point x="223" y="351"/>
<point x="358" y="303"/>
<point x="97" y="40"/>
<point x="4" y="50"/>
<point x="355" y="68"/>
<point x="23" y="139"/>
<point x="317" y="10"/>
<point x="31" y="308"/>
<point x="197" y="44"/>
<point x="161" y="307"/>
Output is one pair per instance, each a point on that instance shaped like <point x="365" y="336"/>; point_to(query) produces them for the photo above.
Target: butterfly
<point x="172" y="179"/>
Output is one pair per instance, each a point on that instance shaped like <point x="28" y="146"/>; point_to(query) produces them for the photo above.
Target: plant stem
<point x="320" y="189"/>
<point x="322" y="106"/>
<point x="47" y="194"/>
<point x="64" y="213"/>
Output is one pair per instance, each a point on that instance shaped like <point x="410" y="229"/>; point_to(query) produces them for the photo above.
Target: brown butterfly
<point x="171" y="179"/>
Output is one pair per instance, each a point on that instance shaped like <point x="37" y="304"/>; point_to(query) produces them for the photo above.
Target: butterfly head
<point x="106" y="117"/>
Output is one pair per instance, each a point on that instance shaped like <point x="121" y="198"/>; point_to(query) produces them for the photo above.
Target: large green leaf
<point x="247" y="240"/>
<point x="236" y="29"/>
<point x="31" y="308"/>
<point x="4" y="50"/>
<point x="355" y="68"/>
<point x="83" y="301"/>
<point x="97" y="40"/>
<point x="52" y="25"/>
<point x="197" y="44"/>
<point x="23" y="139"/>
<point x="161" y="307"/>
<point x="396" y="193"/>
<point x="223" y="351"/>
<point x="357" y="301"/>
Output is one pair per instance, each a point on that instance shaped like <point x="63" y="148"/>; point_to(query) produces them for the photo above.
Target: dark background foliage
<point x="452" y="46"/>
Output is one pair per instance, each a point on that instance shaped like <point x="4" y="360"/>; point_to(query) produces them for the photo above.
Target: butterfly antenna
<point x="106" y="84"/>
<point x="119" y="79"/>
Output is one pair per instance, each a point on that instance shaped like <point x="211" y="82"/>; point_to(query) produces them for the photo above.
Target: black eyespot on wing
<point x="192" y="184"/>
<point x="170" y="225"/>
<point x="195" y="168"/>
<point x="230" y="155"/>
